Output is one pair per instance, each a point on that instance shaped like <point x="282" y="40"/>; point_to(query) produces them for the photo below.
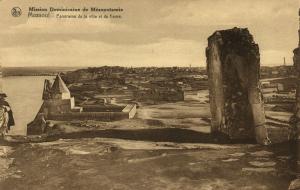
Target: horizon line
<point x="273" y="65"/>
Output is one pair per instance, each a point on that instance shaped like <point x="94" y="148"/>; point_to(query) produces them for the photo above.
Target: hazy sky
<point x="150" y="33"/>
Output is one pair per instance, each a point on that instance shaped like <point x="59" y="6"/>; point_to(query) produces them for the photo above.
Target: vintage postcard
<point x="149" y="94"/>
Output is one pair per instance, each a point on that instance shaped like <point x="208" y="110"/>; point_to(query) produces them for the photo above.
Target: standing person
<point x="6" y="115"/>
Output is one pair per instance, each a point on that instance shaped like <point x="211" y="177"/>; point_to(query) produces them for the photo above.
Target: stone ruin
<point x="296" y="60"/>
<point x="59" y="105"/>
<point x="295" y="119"/>
<point x="233" y="65"/>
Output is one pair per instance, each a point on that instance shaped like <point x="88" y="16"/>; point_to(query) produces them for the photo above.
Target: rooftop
<point x="59" y="86"/>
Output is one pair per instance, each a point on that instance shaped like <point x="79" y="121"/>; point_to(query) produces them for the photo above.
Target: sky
<point x="150" y="32"/>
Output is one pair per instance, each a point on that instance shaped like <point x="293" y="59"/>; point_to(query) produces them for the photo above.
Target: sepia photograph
<point x="149" y="95"/>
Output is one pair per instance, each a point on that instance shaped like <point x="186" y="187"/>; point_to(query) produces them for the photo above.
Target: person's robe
<point x="11" y="120"/>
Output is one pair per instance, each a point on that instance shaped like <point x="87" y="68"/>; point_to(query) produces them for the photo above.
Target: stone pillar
<point x="1" y="80"/>
<point x="47" y="90"/>
<point x="236" y="105"/>
<point x="296" y="60"/>
<point x="295" y="119"/>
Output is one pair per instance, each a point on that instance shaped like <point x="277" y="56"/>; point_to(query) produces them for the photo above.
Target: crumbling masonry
<point x="59" y="105"/>
<point x="297" y="106"/>
<point x="236" y="104"/>
<point x="295" y="119"/>
<point x="296" y="60"/>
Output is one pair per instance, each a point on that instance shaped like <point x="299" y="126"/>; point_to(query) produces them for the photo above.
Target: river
<point x="25" y="97"/>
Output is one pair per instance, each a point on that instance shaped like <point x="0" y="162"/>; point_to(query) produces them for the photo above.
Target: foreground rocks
<point x="6" y="163"/>
<point x="295" y="185"/>
<point x="106" y="163"/>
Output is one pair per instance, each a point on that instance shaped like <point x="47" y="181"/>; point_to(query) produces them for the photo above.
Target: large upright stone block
<point x="236" y="105"/>
<point x="295" y="119"/>
<point x="296" y="60"/>
<point x="1" y="80"/>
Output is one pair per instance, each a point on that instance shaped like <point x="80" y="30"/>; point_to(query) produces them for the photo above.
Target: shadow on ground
<point x="156" y="135"/>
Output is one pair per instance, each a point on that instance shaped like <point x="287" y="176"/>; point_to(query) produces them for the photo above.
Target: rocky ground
<point x="106" y="163"/>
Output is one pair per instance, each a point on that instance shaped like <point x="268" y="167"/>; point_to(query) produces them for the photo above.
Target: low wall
<point x="37" y="126"/>
<point x="131" y="110"/>
<point x="117" y="113"/>
<point x="57" y="106"/>
<point x="102" y="108"/>
<point x="100" y="116"/>
<point x="127" y="113"/>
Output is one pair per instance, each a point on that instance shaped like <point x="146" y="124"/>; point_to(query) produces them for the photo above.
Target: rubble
<point x="233" y="64"/>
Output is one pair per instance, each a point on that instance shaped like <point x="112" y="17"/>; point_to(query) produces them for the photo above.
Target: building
<point x="58" y="99"/>
<point x="59" y="105"/>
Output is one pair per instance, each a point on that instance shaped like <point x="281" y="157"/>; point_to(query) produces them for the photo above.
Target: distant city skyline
<point x="150" y="33"/>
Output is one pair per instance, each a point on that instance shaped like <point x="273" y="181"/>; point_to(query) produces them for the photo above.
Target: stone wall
<point x="38" y="125"/>
<point x="58" y="106"/>
<point x="102" y="108"/>
<point x="100" y="116"/>
<point x="127" y="113"/>
<point x="131" y="110"/>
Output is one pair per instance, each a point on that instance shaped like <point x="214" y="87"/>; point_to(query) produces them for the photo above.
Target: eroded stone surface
<point x="295" y="185"/>
<point x="258" y="170"/>
<point x="99" y="163"/>
<point x="262" y="153"/>
<point x="235" y="99"/>
<point x="6" y="163"/>
<point x="262" y="164"/>
<point x="230" y="160"/>
<point x="237" y="154"/>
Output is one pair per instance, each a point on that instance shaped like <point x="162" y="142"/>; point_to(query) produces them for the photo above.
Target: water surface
<point x="25" y="97"/>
